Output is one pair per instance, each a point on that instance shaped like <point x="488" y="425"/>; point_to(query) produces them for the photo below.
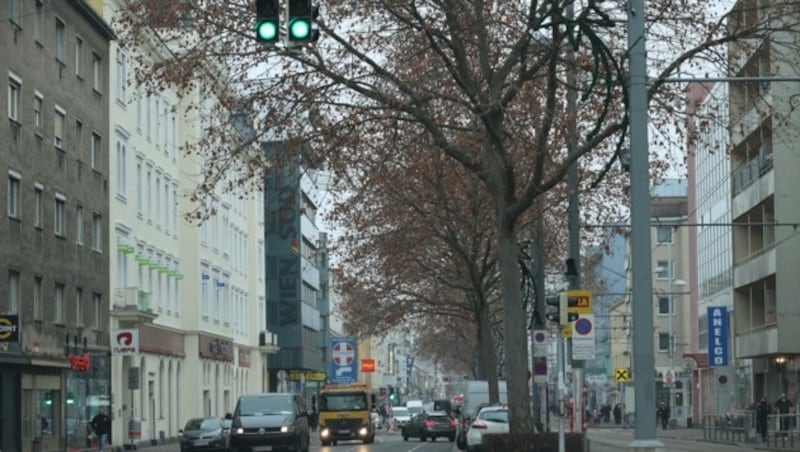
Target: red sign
<point x="80" y="363"/>
<point x="458" y="400"/>
<point x="367" y="365"/>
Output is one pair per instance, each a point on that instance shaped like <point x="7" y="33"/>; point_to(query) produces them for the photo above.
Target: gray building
<point x="53" y="297"/>
<point x="294" y="279"/>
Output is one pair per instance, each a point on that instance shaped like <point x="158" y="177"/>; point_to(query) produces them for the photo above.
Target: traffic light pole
<point x="644" y="435"/>
<point x="562" y="389"/>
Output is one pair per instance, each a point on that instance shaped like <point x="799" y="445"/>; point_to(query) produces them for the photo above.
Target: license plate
<point x="344" y="432"/>
<point x="201" y="443"/>
<point x="262" y="448"/>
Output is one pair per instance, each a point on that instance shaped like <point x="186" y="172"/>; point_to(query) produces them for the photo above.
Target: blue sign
<point x="344" y="356"/>
<point x="717" y="336"/>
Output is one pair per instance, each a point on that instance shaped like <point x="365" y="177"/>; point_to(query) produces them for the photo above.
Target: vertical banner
<point x="343" y="360"/>
<point x="717" y="336"/>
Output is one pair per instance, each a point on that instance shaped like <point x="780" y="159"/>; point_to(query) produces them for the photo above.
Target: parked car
<point x="490" y="419"/>
<point x="270" y="421"/>
<point x="436" y="424"/>
<point x="400" y="416"/>
<point x="204" y="434"/>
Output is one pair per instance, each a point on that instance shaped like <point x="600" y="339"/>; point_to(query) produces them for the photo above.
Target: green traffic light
<point x="267" y="30"/>
<point x="299" y="29"/>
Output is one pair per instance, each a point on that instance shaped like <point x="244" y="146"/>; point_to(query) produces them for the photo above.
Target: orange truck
<point x="344" y="413"/>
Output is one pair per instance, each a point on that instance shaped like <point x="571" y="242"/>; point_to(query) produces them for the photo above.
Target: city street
<point x="601" y="440"/>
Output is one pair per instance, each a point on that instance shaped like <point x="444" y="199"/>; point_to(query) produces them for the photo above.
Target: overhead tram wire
<point x="695" y="225"/>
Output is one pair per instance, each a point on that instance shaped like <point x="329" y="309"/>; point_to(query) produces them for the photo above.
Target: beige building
<point x="765" y="210"/>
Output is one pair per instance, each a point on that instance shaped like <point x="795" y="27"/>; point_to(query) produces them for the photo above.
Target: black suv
<point x="269" y="422"/>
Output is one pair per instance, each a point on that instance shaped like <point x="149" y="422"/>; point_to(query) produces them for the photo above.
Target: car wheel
<point x="325" y="443"/>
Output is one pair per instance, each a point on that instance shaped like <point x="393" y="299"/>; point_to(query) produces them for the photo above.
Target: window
<point x="38" y="100"/>
<point x="94" y="151"/>
<point x="13" y="194"/>
<point x="122" y="76"/>
<point x="663" y="342"/>
<point x="14" y="12"/>
<point x="122" y="165"/>
<point x="38" y="21"/>
<point x="14" y="92"/>
<point x="664" y="305"/>
<point x="96" y="311"/>
<point x="58" y="129"/>
<point x="97" y="232"/>
<point x="79" y="307"/>
<point x="37" y="205"/>
<point x="78" y="56"/>
<point x="13" y="292"/>
<point x="59" y="40"/>
<point x="139" y="203"/>
<point x="149" y="195"/>
<point x="663" y="270"/>
<point x="97" y="72"/>
<point x="79" y="225"/>
<point x="664" y="234"/>
<point x="59" y="216"/>
<point x="58" y="308"/>
<point x="37" y="298"/>
<point x="157" y="190"/>
<point x="78" y="134"/>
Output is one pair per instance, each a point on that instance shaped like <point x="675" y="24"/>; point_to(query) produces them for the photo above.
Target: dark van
<point x="443" y="405"/>
<point x="269" y="422"/>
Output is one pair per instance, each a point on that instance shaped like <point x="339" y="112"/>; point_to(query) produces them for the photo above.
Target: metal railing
<point x="783" y="430"/>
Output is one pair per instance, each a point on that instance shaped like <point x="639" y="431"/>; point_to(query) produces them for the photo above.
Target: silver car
<point x="490" y="419"/>
<point x="400" y="416"/>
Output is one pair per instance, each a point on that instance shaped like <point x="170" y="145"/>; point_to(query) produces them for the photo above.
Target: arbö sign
<point x="125" y="342"/>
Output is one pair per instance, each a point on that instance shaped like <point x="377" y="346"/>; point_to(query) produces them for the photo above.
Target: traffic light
<point x="561" y="314"/>
<point x="300" y="21"/>
<point x="268" y="20"/>
<point x="392" y="394"/>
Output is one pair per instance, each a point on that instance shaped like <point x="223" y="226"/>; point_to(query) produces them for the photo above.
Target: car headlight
<point x="324" y="433"/>
<point x="363" y="431"/>
<point x="287" y="428"/>
<point x="238" y="431"/>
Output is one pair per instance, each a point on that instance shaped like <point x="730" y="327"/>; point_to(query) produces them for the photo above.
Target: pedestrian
<point x="313" y="419"/>
<point x="101" y="424"/>
<point x="762" y="412"/>
<point x="784" y="406"/>
<point x="617" y="414"/>
<point x="664" y="411"/>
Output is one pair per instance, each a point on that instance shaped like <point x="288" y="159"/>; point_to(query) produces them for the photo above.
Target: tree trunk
<point x="514" y="332"/>
<point x="488" y="359"/>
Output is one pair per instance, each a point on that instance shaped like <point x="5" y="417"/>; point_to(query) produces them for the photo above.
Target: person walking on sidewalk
<point x="762" y="412"/>
<point x="784" y="406"/>
<point x="664" y="413"/>
<point x="101" y="424"/>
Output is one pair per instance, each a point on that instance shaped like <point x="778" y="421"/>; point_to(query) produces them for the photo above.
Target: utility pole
<point x="644" y="435"/>
<point x="539" y="315"/>
<point x="574" y="225"/>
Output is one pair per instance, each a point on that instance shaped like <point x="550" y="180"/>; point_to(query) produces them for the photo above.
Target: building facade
<point x="765" y="209"/>
<point x="55" y="196"/>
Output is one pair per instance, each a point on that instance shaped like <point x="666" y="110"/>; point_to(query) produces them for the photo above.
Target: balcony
<point x="758" y="342"/>
<point x="744" y="176"/>
<point x="132" y="305"/>
<point x="755" y="267"/>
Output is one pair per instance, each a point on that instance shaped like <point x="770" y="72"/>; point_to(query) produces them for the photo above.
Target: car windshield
<point x="206" y="425"/>
<point x="414" y="409"/>
<point x="265" y="405"/>
<point x="500" y="416"/>
<point x="345" y="401"/>
<point x="399" y="411"/>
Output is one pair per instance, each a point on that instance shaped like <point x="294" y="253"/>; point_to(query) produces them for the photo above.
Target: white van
<point x="414" y="407"/>
<point x="476" y="392"/>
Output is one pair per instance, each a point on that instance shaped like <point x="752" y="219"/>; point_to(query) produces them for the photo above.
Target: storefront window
<point x="42" y="416"/>
<point x="87" y="392"/>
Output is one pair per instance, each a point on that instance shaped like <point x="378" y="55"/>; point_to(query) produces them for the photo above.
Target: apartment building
<point x="765" y="209"/>
<point x="672" y="312"/>
<point x="55" y="198"/>
<point x="192" y="291"/>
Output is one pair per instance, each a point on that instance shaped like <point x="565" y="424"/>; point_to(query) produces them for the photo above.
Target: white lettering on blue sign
<point x="718" y="335"/>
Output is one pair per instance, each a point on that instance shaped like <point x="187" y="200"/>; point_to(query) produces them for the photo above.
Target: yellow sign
<point x="622" y="374"/>
<point x="294" y="375"/>
<point x="584" y="305"/>
<point x="566" y="330"/>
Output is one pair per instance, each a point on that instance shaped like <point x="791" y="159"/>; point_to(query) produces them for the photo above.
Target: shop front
<point x="88" y="389"/>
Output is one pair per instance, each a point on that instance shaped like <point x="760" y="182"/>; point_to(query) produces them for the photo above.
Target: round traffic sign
<point x="343" y="354"/>
<point x="669" y="377"/>
<point x="539" y="337"/>
<point x="583" y="326"/>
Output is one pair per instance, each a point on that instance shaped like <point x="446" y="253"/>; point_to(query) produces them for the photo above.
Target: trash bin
<point x="135" y="429"/>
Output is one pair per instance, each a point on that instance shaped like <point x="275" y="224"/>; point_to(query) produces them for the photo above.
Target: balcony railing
<point x="744" y="176"/>
<point x="134" y="303"/>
